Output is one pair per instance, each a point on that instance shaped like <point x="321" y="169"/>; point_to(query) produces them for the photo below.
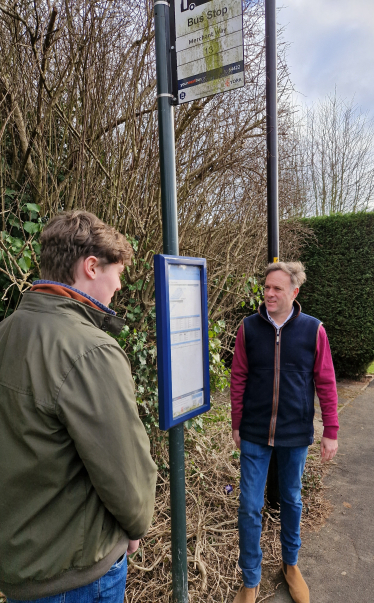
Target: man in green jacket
<point x="77" y="480"/>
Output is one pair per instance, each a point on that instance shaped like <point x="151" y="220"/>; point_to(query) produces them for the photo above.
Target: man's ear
<point x="296" y="292"/>
<point x="90" y="266"/>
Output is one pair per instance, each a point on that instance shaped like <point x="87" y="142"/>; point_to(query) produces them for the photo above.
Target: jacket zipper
<point x="274" y="412"/>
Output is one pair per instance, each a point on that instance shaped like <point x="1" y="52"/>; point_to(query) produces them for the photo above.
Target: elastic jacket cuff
<point x="331" y="433"/>
<point x="235" y="423"/>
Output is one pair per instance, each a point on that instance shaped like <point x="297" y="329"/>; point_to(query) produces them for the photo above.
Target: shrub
<point x="217" y="369"/>
<point x="340" y="287"/>
<point x="19" y="266"/>
<point x="19" y="249"/>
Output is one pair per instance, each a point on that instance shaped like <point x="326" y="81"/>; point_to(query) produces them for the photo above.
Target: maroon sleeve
<point x="239" y="375"/>
<point x="324" y="379"/>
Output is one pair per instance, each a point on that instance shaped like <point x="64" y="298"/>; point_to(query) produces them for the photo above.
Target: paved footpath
<point x="338" y="561"/>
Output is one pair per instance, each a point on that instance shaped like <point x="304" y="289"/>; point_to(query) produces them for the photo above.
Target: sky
<point x="331" y="44"/>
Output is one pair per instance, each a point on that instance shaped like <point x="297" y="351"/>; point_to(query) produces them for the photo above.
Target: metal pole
<point x="170" y="246"/>
<point x="272" y="130"/>
<point x="178" y="514"/>
<point x="272" y="184"/>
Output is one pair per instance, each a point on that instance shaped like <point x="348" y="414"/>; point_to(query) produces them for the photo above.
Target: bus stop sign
<point x="207" y="47"/>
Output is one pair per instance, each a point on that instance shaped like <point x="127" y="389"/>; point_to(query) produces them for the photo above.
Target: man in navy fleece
<point x="281" y="357"/>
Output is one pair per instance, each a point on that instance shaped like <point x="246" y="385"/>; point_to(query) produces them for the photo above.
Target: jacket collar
<point x="297" y="310"/>
<point x="74" y="290"/>
<point x="55" y="304"/>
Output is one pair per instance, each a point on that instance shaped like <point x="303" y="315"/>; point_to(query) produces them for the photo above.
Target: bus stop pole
<point x="272" y="183"/>
<point x="170" y="247"/>
<point x="272" y="130"/>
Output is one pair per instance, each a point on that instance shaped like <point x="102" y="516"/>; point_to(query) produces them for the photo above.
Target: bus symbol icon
<point x="191" y="5"/>
<point x="182" y="95"/>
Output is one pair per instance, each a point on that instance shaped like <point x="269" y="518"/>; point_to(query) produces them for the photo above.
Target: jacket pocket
<point x="308" y="399"/>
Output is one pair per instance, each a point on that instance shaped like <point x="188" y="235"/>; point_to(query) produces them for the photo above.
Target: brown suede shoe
<point x="299" y="590"/>
<point x="247" y="595"/>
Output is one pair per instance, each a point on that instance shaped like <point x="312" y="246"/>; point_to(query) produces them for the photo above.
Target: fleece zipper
<point x="274" y="410"/>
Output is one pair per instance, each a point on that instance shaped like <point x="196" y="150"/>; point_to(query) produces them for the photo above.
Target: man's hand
<point x="329" y="449"/>
<point x="236" y="437"/>
<point x="133" y="547"/>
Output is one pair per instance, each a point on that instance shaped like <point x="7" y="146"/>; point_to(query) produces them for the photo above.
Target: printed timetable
<point x="181" y="292"/>
<point x="186" y="338"/>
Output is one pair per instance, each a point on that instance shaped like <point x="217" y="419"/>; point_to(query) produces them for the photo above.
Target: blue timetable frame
<point x="188" y="338"/>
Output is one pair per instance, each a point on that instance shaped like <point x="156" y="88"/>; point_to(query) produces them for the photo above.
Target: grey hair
<point x="295" y="270"/>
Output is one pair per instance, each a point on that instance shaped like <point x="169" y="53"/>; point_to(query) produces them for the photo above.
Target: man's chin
<point x="271" y="307"/>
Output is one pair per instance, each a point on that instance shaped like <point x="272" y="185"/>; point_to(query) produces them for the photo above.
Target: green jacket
<point x="76" y="477"/>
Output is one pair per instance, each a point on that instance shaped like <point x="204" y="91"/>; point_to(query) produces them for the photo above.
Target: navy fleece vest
<point x="278" y="402"/>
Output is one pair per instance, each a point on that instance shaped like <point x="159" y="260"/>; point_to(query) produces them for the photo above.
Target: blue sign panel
<point x="182" y="338"/>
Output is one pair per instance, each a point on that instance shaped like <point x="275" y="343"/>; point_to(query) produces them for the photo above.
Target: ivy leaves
<point x="140" y="347"/>
<point x="218" y="372"/>
<point x="16" y="247"/>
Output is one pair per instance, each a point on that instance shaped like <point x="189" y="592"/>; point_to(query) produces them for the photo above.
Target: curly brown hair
<point x="72" y="235"/>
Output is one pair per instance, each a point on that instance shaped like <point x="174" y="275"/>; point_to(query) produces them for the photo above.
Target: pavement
<point x="338" y="561"/>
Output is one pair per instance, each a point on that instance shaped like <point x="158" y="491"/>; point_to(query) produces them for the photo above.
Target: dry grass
<point x="212" y="535"/>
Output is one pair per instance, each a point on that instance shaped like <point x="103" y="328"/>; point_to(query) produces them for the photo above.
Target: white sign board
<point x="186" y="340"/>
<point x="209" y="47"/>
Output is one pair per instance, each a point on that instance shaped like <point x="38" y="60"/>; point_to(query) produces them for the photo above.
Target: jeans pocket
<point x="118" y="564"/>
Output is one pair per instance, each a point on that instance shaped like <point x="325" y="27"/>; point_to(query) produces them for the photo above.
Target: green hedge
<point x="340" y="287"/>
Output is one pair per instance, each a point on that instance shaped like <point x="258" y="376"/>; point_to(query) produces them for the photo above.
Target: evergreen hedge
<point x="339" y="290"/>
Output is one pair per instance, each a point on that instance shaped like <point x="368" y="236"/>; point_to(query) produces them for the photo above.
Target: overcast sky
<point x="332" y="43"/>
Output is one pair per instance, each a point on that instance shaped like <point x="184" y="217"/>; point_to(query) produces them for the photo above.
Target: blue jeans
<point x="110" y="588"/>
<point x="254" y="461"/>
